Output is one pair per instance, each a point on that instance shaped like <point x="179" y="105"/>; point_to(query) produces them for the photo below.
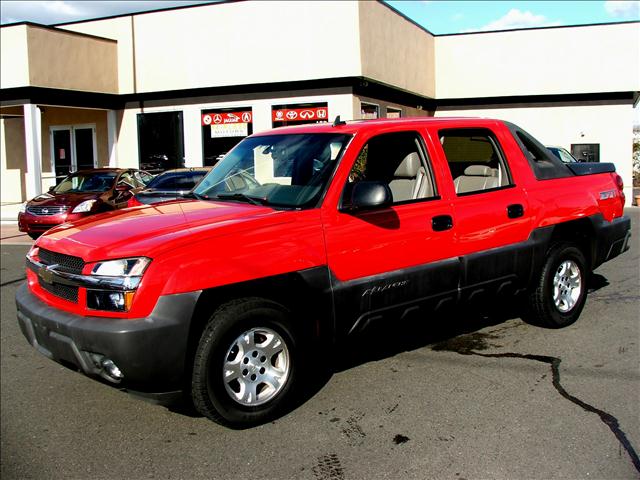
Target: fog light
<point x="111" y="369"/>
<point x="112" y="301"/>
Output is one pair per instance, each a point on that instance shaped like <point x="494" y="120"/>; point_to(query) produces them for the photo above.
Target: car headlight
<point x="125" y="267"/>
<point x="84" y="206"/>
<point x="23" y="207"/>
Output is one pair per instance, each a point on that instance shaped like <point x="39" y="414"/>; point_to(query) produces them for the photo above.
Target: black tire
<point x="541" y="306"/>
<point x="209" y="392"/>
<point x="34" y="236"/>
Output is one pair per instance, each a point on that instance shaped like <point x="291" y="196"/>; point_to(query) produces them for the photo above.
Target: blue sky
<point x="436" y="16"/>
<point x="442" y="17"/>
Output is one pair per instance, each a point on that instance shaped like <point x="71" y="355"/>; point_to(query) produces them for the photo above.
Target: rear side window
<point x="399" y="160"/>
<point x="475" y="160"/>
<point x="544" y="164"/>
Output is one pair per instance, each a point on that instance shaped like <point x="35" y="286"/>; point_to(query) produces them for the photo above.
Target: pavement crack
<point x="10" y="282"/>
<point x="554" y="362"/>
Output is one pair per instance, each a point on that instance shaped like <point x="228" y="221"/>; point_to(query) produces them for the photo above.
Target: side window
<point x="397" y="159"/>
<point x="142" y="178"/>
<point x="128" y="179"/>
<point x="475" y="160"/>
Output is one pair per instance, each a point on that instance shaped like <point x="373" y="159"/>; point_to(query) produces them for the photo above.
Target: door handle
<point x="514" y="211"/>
<point x="441" y="222"/>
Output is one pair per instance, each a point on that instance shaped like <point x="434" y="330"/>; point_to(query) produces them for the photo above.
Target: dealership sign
<point x="224" y="130"/>
<point x="313" y="114"/>
<point x="225" y="118"/>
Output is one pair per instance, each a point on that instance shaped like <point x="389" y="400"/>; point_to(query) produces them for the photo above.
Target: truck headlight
<point x="124" y="267"/>
<point x="126" y="274"/>
<point x="85" y="206"/>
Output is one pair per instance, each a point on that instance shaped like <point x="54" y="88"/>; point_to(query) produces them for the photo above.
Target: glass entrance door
<point x="73" y="147"/>
<point x="61" y="151"/>
<point x="84" y="145"/>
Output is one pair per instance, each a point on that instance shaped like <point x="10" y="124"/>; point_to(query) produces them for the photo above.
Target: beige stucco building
<point x="181" y="86"/>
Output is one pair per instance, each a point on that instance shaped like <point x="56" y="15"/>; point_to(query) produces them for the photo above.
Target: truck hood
<point x="150" y="230"/>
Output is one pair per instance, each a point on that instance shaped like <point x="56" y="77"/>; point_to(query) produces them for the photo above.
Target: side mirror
<point x="51" y="188"/>
<point x="368" y="195"/>
<point x="123" y="187"/>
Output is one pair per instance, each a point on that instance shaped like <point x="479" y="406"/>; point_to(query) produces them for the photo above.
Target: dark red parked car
<point x="81" y="194"/>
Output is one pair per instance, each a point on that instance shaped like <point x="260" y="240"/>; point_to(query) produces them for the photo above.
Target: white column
<point x="192" y="129"/>
<point x="33" y="143"/>
<point x="112" y="137"/>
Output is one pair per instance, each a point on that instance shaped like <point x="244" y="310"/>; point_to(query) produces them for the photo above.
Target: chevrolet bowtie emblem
<point x="46" y="274"/>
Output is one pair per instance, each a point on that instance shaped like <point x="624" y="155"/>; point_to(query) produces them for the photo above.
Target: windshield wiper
<point x="243" y="197"/>
<point x="195" y="195"/>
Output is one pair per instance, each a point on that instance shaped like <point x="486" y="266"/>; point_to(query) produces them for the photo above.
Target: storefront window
<point x="160" y="141"/>
<point x="296" y="114"/>
<point x="393" y="112"/>
<point x="222" y="129"/>
<point x="369" y="111"/>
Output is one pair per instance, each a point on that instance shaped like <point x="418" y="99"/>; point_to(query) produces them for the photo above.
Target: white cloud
<point x="515" y="18"/>
<point x="624" y="9"/>
<point x="59" y="11"/>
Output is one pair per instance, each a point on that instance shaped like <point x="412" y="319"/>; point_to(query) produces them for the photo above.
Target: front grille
<point x="66" y="263"/>
<point x="63" y="291"/>
<point x="47" y="211"/>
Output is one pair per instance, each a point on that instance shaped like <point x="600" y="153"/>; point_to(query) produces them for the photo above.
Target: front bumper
<point x="150" y="352"/>
<point x="30" y="223"/>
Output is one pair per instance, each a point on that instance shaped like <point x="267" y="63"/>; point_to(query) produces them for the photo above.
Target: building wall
<point x="58" y="59"/>
<point x="234" y="44"/>
<point x="13" y="164"/>
<point x="610" y="125"/>
<point x="119" y="29"/>
<point x="395" y="51"/>
<point x="602" y="58"/>
<point x="15" y="57"/>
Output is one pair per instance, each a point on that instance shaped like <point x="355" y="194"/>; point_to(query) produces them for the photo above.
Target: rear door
<point x="389" y="263"/>
<point x="490" y="210"/>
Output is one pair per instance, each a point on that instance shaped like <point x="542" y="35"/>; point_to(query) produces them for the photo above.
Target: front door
<point x="391" y="262"/>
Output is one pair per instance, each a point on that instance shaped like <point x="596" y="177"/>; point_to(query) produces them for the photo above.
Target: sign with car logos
<point x="311" y="114"/>
<point x="225" y="118"/>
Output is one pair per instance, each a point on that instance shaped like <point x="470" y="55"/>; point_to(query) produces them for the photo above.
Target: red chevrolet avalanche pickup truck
<point x="303" y="236"/>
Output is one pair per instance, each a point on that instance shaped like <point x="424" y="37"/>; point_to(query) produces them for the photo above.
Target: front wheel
<point x="245" y="364"/>
<point x="561" y="291"/>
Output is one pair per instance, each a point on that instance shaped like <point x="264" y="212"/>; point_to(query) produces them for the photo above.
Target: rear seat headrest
<point x="409" y="166"/>
<point x="478" y="171"/>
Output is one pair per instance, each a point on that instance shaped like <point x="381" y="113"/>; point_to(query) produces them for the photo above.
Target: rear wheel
<point x="245" y="364"/>
<point x="561" y="291"/>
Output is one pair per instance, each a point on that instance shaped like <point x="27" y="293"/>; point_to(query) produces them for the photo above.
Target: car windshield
<point x="177" y="180"/>
<point x="86" y="182"/>
<point x="290" y="171"/>
<point x="562" y="154"/>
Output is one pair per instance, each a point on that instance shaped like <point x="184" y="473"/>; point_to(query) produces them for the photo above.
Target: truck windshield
<point x="290" y="171"/>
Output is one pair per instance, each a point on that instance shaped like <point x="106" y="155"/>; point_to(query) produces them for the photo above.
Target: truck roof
<point x="353" y="126"/>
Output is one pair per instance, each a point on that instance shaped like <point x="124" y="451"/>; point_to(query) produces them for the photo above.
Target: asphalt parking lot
<point x="458" y="398"/>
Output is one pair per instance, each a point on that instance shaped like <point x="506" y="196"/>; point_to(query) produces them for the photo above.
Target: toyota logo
<point x="291" y="115"/>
